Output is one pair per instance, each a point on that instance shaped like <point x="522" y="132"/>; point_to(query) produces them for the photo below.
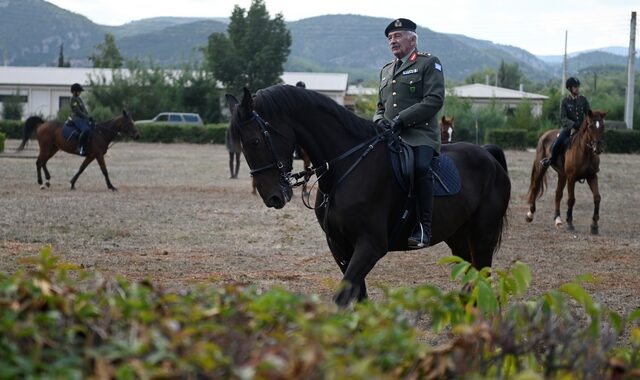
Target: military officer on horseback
<point x="410" y="95"/>
<point x="572" y="112"/>
<point x="80" y="118"/>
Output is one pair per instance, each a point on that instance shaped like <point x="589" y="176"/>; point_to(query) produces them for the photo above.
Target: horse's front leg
<point x="571" y="201"/>
<point x="562" y="180"/>
<point x="83" y="166"/>
<point x="368" y="249"/>
<point x="103" y="168"/>
<point x="593" y="185"/>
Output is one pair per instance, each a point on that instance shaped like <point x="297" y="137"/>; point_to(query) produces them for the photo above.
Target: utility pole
<point x="564" y="68"/>
<point x="631" y="75"/>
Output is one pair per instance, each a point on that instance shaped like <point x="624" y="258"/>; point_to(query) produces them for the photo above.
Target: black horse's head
<point x="268" y="148"/>
<point x="124" y="124"/>
<point x="593" y="129"/>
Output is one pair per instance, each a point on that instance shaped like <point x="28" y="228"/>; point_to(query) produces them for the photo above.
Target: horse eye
<point x="255" y="141"/>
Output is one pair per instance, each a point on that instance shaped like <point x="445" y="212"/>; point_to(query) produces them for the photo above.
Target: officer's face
<point x="401" y="43"/>
<point x="575" y="91"/>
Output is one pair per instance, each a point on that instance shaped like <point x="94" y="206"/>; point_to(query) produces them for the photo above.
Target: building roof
<point x="318" y="81"/>
<point x="65" y="76"/>
<point x="49" y="76"/>
<point x="483" y="91"/>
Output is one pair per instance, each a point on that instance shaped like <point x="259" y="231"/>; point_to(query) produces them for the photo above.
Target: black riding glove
<point x="396" y="124"/>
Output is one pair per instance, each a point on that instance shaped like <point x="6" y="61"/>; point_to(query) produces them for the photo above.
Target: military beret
<point x="400" y="24"/>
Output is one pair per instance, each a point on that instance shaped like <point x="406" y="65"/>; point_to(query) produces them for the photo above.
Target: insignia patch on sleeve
<point x="438" y="66"/>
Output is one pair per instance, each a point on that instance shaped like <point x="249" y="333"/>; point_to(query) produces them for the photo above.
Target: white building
<point x="482" y="95"/>
<point x="44" y="90"/>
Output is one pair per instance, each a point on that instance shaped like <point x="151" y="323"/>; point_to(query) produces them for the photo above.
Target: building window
<point x="23" y="98"/>
<point x="64" y="101"/>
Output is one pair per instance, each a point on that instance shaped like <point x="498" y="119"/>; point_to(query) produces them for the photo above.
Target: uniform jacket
<point x="415" y="92"/>
<point x="78" y="108"/>
<point x="572" y="111"/>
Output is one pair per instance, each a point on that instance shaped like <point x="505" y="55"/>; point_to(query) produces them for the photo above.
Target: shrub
<point x="622" y="141"/>
<point x="13" y="129"/>
<point x="12" y="107"/>
<point x="2" y="138"/>
<point x="507" y="138"/>
<point x="210" y="133"/>
<point x="57" y="325"/>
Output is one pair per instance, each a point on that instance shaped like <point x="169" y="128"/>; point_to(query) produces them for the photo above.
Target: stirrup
<point x="416" y="241"/>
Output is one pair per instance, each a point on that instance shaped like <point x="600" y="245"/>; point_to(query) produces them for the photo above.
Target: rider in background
<point x="572" y="112"/>
<point x="80" y="118"/>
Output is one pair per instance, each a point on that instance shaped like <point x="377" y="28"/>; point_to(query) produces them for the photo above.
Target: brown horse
<point x="446" y="130"/>
<point x="50" y="139"/>
<point x="581" y="162"/>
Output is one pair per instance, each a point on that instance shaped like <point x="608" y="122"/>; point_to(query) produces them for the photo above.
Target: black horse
<point x="359" y="204"/>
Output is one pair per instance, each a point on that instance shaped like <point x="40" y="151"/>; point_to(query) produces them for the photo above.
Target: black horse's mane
<point x="275" y="101"/>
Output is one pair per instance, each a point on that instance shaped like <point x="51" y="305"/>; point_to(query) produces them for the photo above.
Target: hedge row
<point x="210" y="133"/>
<point x="2" y="138"/>
<point x="622" y="141"/>
<point x="507" y="138"/>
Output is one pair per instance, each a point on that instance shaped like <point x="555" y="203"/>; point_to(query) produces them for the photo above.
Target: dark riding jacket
<point x="78" y="108"/>
<point x="414" y="93"/>
<point x="572" y="111"/>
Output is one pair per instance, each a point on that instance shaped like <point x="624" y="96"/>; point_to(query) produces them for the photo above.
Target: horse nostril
<point x="276" y="202"/>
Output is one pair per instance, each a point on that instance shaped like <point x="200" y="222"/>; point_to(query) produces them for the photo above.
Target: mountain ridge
<point x="31" y="32"/>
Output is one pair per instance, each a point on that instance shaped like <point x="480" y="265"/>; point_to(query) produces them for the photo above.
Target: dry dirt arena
<point x="179" y="220"/>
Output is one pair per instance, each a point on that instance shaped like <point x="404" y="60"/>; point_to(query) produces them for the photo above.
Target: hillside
<point x="31" y="32"/>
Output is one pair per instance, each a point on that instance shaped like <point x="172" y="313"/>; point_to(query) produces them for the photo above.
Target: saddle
<point x="70" y="131"/>
<point x="446" y="178"/>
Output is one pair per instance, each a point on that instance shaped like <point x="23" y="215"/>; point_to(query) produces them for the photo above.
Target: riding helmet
<point x="76" y="87"/>
<point x="572" y="82"/>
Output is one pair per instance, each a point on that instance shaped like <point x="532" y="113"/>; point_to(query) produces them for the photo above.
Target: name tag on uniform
<point x="407" y="72"/>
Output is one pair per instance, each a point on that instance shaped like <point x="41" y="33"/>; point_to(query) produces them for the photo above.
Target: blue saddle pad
<point x="69" y="131"/>
<point x="446" y="179"/>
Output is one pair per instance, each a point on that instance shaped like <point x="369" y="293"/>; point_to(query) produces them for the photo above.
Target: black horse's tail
<point x="498" y="154"/>
<point x="30" y="125"/>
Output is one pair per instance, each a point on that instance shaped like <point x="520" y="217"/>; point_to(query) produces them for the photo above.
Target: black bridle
<point x="285" y="177"/>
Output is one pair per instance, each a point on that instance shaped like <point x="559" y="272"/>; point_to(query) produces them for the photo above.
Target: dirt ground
<point x="179" y="220"/>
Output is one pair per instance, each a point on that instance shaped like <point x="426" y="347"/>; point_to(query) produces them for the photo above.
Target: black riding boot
<point x="82" y="143"/>
<point x="421" y="236"/>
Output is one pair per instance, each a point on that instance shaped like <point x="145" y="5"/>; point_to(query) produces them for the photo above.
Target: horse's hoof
<point x="594" y="229"/>
<point x="529" y="217"/>
<point x="558" y="222"/>
<point x="47" y="184"/>
<point x="570" y="227"/>
<point x="42" y="187"/>
<point x="113" y="189"/>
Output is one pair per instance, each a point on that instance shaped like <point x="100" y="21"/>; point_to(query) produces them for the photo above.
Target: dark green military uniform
<point x="415" y="93"/>
<point x="78" y="108"/>
<point x="572" y="111"/>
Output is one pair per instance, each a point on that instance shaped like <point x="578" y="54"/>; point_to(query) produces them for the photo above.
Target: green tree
<point x="509" y="75"/>
<point x="253" y="52"/>
<point x="107" y="56"/>
<point x="12" y="107"/>
<point x="522" y="117"/>
<point x="61" y="61"/>
<point x="481" y="76"/>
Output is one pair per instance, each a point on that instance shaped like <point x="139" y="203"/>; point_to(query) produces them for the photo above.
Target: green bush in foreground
<point x="2" y="139"/>
<point x="59" y="322"/>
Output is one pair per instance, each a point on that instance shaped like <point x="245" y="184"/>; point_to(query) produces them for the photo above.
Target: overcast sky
<point x="536" y="26"/>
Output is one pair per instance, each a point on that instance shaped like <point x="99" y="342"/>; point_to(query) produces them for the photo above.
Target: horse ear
<point x="247" y="100"/>
<point x="231" y="101"/>
<point x="443" y="119"/>
<point x="590" y="113"/>
<point x="124" y="113"/>
<point x="452" y="119"/>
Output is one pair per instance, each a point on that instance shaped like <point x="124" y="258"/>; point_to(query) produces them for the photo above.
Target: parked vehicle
<point x="174" y="118"/>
